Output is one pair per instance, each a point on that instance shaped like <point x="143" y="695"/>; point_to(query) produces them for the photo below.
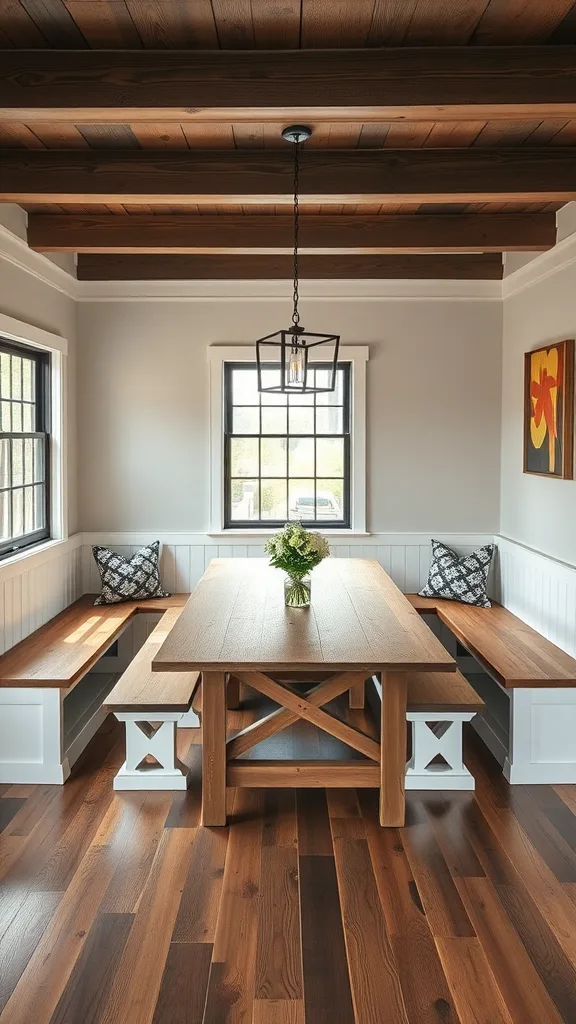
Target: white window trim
<point x="357" y="356"/>
<point x="35" y="337"/>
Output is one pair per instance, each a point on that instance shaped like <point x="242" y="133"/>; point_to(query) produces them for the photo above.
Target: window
<point x="286" y="457"/>
<point x="24" y="446"/>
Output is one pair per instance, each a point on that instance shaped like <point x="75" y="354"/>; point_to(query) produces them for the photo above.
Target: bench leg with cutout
<point x="151" y="758"/>
<point x="436" y="761"/>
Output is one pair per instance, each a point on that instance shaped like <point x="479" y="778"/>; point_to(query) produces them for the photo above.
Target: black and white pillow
<point x="459" y="579"/>
<point x="129" y="579"/>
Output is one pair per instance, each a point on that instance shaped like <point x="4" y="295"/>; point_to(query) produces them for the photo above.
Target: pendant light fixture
<point x="284" y="358"/>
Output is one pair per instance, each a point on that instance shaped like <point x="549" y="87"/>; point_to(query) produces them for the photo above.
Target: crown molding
<point x="563" y="255"/>
<point x="280" y="291"/>
<point x="16" y="251"/>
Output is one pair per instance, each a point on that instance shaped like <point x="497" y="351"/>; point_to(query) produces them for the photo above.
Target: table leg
<point x="393" y="748"/>
<point x="233" y="693"/>
<point x="356" y="695"/>
<point x="213" y="748"/>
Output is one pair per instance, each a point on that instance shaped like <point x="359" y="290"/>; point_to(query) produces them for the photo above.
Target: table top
<point x="236" y="619"/>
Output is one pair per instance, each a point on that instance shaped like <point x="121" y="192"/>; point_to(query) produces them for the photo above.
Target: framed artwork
<point x="549" y="410"/>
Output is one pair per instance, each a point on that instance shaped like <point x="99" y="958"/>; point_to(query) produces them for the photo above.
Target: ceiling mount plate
<point x="296" y="133"/>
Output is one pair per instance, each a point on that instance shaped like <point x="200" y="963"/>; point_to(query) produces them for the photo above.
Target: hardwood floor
<point x="121" y="909"/>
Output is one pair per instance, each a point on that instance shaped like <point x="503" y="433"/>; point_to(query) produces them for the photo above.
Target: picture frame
<point x="549" y="410"/>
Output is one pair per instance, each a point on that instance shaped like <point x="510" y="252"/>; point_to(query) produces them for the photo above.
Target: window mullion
<point x="11" y="485"/>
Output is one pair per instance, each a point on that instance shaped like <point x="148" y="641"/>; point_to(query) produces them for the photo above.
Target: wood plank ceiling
<point x="93" y="226"/>
<point x="283" y="24"/>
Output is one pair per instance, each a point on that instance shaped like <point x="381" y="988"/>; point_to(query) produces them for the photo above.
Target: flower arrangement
<point x="297" y="551"/>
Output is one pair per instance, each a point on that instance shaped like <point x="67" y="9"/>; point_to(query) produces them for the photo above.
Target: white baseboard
<point x="556" y="774"/>
<point x="33" y="773"/>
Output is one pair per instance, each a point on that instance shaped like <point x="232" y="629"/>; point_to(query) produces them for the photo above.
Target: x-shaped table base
<point x="297" y="705"/>
<point x="382" y="767"/>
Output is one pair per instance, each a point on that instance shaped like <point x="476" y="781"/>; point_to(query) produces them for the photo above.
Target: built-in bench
<point x="508" y="649"/>
<point x="510" y="665"/>
<point x="438" y="704"/>
<point x="50" y="703"/>
<point x="151" y="704"/>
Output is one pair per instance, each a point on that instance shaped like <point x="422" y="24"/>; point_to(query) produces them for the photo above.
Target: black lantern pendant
<point x="285" y="357"/>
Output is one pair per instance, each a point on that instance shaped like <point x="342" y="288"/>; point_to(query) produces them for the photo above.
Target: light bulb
<point x="296" y="365"/>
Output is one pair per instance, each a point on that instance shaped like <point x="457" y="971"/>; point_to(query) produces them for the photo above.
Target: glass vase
<point x="297" y="591"/>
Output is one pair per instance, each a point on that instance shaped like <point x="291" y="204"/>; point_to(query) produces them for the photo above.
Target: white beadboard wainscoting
<point x="184" y="557"/>
<point x="542" y="592"/>
<point x="36" y="586"/>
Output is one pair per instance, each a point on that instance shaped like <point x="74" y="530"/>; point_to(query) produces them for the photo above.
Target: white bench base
<point x="438" y="734"/>
<point x="33" y="746"/>
<point x="444" y="740"/>
<point x="151" y="737"/>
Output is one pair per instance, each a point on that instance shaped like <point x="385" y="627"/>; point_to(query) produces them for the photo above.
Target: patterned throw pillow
<point x="129" y="579"/>
<point x="459" y="579"/>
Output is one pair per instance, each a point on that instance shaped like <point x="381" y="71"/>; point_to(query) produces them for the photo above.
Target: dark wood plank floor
<point x="120" y="909"/>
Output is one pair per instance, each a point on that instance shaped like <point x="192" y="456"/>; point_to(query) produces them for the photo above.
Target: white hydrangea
<point x="319" y="544"/>
<point x="296" y="550"/>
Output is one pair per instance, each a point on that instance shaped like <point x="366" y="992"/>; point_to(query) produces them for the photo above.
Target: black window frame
<point x="265" y="524"/>
<point x="42" y="404"/>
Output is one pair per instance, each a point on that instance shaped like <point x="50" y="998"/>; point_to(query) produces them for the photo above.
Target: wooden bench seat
<point x="450" y="691"/>
<point x="511" y="651"/>
<point x="152" y="704"/>
<point x="46" y="718"/>
<point x="62" y="651"/>
<point x="141" y="689"/>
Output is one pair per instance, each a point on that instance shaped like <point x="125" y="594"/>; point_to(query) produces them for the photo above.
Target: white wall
<point x="35" y="586"/>
<point x="537" y="512"/>
<point x="433" y="407"/>
<point x="27" y="296"/>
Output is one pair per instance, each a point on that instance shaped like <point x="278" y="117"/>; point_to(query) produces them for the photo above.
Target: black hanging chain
<point x="295" y="294"/>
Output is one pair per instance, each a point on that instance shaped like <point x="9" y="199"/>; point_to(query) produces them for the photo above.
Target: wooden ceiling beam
<point x="93" y="267"/>
<point x="265" y="177"/>
<point x="240" y="234"/>
<point x="424" y="83"/>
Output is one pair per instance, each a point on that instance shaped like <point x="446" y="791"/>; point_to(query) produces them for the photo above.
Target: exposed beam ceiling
<point x="226" y="267"/>
<point x="258" y="177"/>
<point x="149" y="233"/>
<point x="451" y="83"/>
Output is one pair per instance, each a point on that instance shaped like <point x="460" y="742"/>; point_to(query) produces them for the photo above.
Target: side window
<point x="24" y="447"/>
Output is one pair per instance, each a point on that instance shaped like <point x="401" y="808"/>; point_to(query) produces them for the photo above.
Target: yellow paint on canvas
<point x="544" y="364"/>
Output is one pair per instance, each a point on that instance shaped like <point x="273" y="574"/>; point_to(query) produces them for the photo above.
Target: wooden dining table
<point x="236" y="626"/>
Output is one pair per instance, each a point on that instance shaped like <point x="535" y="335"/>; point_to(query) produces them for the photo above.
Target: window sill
<point x="223" y="534"/>
<point x="36" y="552"/>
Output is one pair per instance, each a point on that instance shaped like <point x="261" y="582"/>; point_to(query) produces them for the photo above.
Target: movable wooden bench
<point x="438" y="705"/>
<point x="151" y="704"/>
<point x="49" y="709"/>
<point x="528" y="724"/>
